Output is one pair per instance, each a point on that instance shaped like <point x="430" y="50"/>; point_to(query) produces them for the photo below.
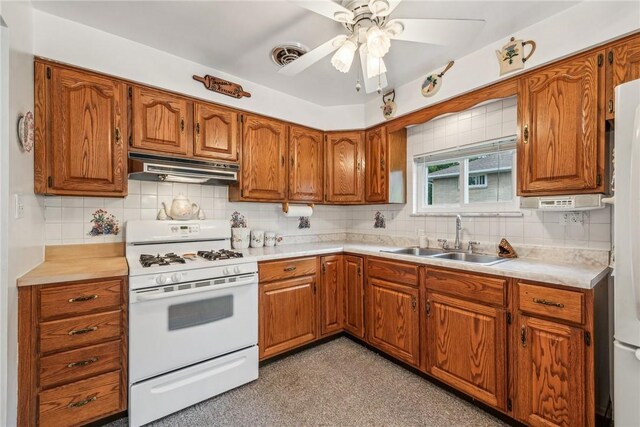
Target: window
<point x="480" y="178"/>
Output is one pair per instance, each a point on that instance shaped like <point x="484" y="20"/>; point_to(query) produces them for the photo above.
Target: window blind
<point x="484" y="147"/>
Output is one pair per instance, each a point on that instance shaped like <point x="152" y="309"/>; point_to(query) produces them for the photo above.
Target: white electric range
<point x="193" y="315"/>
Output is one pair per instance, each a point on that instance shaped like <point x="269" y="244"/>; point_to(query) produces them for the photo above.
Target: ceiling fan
<point x="370" y="33"/>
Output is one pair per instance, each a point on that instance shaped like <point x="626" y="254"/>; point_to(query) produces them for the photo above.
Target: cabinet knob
<point x="118" y="136"/>
<point x="198" y="129"/>
<point x="382" y="164"/>
<point x="414" y="303"/>
<point x="526" y="134"/>
<point x="181" y="124"/>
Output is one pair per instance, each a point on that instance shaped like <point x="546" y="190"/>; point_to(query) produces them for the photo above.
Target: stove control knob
<point x="225" y="271"/>
<point x="175" y="277"/>
<point x="236" y="270"/>
<point x="161" y="280"/>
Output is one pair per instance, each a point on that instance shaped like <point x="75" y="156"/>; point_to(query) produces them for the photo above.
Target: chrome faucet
<point x="457" y="245"/>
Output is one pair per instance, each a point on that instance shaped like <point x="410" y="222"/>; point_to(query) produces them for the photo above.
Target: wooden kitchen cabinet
<point x="344" y="170"/>
<point x="392" y="309"/>
<point x="80" y="133"/>
<point x="561" y="128"/>
<point x="466" y="347"/>
<point x="263" y="166"/>
<point x="72" y="340"/>
<point x="354" y="295"/>
<point x="216" y="132"/>
<point x="160" y="122"/>
<point x="623" y="59"/>
<point x="287" y="305"/>
<point x="385" y="166"/>
<point x="551" y="374"/>
<point x="331" y="294"/>
<point x="306" y="165"/>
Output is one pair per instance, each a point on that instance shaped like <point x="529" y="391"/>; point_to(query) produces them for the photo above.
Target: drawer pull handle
<point x="83" y="330"/>
<point x="82" y="362"/>
<point x="290" y="269"/>
<point x="545" y="302"/>
<point x="82" y="402"/>
<point x="84" y="298"/>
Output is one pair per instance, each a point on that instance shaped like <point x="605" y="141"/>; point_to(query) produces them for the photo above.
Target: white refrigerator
<point x="626" y="349"/>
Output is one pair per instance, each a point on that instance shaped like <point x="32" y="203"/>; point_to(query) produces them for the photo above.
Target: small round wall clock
<point x="26" y="131"/>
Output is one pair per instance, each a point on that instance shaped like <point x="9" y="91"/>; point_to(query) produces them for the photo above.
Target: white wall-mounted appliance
<point x="193" y="315"/>
<point x="626" y="350"/>
<point x="580" y="202"/>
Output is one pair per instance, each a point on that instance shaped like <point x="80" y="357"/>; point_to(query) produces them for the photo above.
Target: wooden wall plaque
<point x="224" y="87"/>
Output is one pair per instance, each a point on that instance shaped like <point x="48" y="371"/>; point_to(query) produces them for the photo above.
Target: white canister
<point x="279" y="239"/>
<point x="240" y="237"/>
<point x="257" y="238"/>
<point x="269" y="238"/>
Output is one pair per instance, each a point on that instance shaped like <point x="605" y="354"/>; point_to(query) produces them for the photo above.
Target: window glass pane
<point x="490" y="177"/>
<point x="442" y="183"/>
<point x="200" y="312"/>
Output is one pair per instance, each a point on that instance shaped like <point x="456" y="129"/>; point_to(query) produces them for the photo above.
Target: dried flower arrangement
<point x="238" y="220"/>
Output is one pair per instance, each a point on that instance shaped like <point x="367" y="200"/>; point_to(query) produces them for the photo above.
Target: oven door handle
<point x="142" y="297"/>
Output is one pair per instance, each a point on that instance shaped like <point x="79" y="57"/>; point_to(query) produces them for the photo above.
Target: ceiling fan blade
<point x="313" y="56"/>
<point x="370" y="84"/>
<point x="392" y="4"/>
<point x="434" y="31"/>
<point x="326" y="8"/>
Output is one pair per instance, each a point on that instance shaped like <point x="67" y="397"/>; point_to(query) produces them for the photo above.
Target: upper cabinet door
<point x="306" y="165"/>
<point x="87" y="127"/>
<point x="376" y="183"/>
<point x="159" y="121"/>
<point x="216" y="132"/>
<point x="264" y="170"/>
<point x="344" y="178"/>
<point x="561" y="140"/>
<point x="624" y="61"/>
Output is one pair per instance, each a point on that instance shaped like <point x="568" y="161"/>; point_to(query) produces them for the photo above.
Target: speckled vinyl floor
<point x="339" y="383"/>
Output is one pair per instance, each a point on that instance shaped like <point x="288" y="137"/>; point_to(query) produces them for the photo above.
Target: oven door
<point x="171" y="327"/>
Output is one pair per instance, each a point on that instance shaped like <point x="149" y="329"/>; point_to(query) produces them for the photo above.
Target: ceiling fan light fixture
<point x="343" y="58"/>
<point x="378" y="42"/>
<point x="343" y="17"/>
<point x="375" y="66"/>
<point x="394" y="28"/>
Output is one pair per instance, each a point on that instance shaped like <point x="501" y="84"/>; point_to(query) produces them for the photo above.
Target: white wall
<point x="77" y="44"/>
<point x="26" y="235"/>
<point x="575" y="29"/>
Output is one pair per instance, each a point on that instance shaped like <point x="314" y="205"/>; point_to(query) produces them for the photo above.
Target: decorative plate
<point x="389" y="109"/>
<point x="431" y="85"/>
<point x="25" y="131"/>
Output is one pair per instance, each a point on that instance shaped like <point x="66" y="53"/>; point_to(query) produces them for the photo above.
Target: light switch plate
<point x="19" y="206"/>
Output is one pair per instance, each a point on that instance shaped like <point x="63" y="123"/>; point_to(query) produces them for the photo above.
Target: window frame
<point x="463" y="206"/>
<point x="485" y="180"/>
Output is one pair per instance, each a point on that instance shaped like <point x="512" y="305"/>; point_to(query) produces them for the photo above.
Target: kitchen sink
<point x="475" y="258"/>
<point x="416" y="251"/>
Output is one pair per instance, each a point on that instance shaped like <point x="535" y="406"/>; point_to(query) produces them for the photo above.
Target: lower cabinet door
<point x="466" y="347"/>
<point x="354" y="295"/>
<point x="287" y="315"/>
<point x="392" y="319"/>
<point x="332" y="295"/>
<point x="550" y="387"/>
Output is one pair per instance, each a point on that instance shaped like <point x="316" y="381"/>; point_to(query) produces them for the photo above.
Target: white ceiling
<point x="237" y="36"/>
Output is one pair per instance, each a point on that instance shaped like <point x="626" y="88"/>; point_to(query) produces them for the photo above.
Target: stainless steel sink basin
<point x="475" y="258"/>
<point x="416" y="251"/>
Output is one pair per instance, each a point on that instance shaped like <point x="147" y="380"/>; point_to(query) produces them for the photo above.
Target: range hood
<point x="147" y="167"/>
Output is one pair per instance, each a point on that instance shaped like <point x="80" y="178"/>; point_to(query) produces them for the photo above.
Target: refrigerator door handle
<point x="634" y="199"/>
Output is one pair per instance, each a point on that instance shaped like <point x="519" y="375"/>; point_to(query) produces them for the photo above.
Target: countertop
<point x="68" y="263"/>
<point x="576" y="275"/>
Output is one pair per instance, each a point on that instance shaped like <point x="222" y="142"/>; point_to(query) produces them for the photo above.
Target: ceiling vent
<point x="286" y="53"/>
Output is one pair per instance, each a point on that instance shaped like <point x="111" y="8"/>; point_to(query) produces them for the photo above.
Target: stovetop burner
<point x="167" y="259"/>
<point x="219" y="254"/>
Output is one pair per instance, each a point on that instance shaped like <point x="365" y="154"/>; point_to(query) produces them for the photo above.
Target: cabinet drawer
<point x="393" y="271"/>
<point x="79" y="331"/>
<point x="80" y="298"/>
<point x="286" y="269"/>
<point x="551" y="302"/>
<point x="81" y="363"/>
<point x="490" y="290"/>
<point x="75" y="404"/>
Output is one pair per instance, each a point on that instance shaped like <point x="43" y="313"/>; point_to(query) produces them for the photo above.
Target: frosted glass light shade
<point x="375" y="66"/>
<point x="343" y="58"/>
<point x="378" y="42"/>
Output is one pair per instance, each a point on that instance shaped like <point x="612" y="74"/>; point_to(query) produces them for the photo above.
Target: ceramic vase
<point x="240" y="237"/>
<point x="270" y="238"/>
<point x="257" y="239"/>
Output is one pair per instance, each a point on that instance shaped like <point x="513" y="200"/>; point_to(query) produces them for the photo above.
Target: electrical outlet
<point x="19" y="206"/>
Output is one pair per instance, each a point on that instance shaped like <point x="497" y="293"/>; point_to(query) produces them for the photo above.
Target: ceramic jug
<point x="511" y="57"/>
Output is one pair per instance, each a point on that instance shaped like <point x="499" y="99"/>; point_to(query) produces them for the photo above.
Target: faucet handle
<point x="471" y="245"/>
<point x="443" y="243"/>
